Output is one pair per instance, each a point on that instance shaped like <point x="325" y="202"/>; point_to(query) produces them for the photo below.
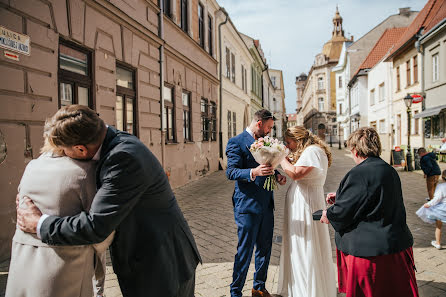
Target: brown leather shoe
<point x="260" y="293"/>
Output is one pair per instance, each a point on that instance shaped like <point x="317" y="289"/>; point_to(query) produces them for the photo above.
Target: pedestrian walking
<point x="434" y="211"/>
<point x="321" y="131"/>
<point x="428" y="163"/>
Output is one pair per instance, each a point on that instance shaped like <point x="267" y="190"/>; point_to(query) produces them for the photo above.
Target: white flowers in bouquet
<point x="269" y="151"/>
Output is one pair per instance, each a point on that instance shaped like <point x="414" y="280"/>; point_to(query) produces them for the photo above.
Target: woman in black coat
<point x="374" y="243"/>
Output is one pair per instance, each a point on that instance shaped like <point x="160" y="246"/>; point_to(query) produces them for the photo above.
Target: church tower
<point x="332" y="49"/>
<point x="337" y="24"/>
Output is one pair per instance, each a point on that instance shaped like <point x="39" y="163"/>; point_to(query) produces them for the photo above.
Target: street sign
<point x="417" y="98"/>
<point x="15" y="41"/>
<point x="11" y="56"/>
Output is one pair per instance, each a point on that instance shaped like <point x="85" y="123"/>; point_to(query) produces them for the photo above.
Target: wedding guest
<point x="41" y="269"/>
<point x="443" y="146"/>
<point x="374" y="243"/>
<point x="428" y="163"/>
<point x="435" y="211"/>
<point x="154" y="252"/>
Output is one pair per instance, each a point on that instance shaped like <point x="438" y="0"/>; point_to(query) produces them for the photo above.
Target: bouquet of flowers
<point x="271" y="151"/>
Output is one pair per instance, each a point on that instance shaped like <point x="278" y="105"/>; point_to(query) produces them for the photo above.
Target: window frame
<point x="228" y="63"/>
<point x="75" y="79"/>
<point x="435" y="67"/>
<point x="170" y="105"/>
<point x="167" y="8"/>
<point x="372" y="97"/>
<point x="319" y="104"/>
<point x="320" y="83"/>
<point x="127" y="93"/>
<point x="415" y="69"/>
<point x="398" y="79"/>
<point x="187" y="123"/>
<point x="229" y="124"/>
<point x="382" y="93"/>
<point x="233" y="67"/>
<point x="205" y="133"/>
<point x="234" y="123"/>
<point x="201" y="33"/>
<point x="184" y="24"/>
<point x="210" y="35"/>
<point x="408" y="73"/>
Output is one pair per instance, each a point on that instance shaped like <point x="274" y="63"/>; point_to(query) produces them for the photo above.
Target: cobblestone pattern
<point x="208" y="208"/>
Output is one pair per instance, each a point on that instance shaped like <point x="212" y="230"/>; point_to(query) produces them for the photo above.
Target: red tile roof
<point x="382" y="47"/>
<point x="291" y="116"/>
<point x="428" y="17"/>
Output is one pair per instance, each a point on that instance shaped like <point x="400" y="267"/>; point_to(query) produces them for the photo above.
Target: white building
<point x="278" y="102"/>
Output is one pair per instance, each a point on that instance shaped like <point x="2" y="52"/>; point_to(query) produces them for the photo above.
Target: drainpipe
<point x="420" y="50"/>
<point x="263" y="92"/>
<point x="162" y="75"/>
<point x="220" y="134"/>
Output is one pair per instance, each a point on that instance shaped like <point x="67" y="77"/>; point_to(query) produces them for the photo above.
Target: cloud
<point x="292" y="32"/>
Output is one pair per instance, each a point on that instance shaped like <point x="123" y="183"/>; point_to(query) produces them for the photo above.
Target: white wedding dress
<point x="306" y="265"/>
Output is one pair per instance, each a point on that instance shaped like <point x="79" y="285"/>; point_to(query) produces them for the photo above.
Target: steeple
<point x="337" y="24"/>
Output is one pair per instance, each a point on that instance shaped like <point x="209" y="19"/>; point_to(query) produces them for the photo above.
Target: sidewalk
<point x="208" y="208"/>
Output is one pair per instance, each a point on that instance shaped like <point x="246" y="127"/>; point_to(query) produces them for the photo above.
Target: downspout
<point x="420" y="50"/>
<point x="263" y="91"/>
<point x="220" y="103"/>
<point x="162" y="75"/>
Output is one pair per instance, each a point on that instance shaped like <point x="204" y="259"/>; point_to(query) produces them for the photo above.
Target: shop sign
<point x="15" y="41"/>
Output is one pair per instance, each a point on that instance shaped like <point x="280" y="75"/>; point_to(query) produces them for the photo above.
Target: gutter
<point x="220" y="103"/>
<point x="428" y="35"/>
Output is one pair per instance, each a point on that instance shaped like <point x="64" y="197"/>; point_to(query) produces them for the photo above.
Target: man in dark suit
<point x="253" y="205"/>
<point x="432" y="172"/>
<point x="154" y="252"/>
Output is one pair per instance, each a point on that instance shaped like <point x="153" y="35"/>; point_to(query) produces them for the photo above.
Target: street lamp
<point x="408" y="101"/>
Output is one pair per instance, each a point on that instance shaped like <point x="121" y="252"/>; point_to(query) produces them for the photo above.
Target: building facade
<point x="119" y="58"/>
<point x="278" y="102"/>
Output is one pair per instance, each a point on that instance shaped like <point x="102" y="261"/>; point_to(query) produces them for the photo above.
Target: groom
<point x="253" y="205"/>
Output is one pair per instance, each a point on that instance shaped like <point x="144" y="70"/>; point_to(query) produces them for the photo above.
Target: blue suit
<point x="253" y="212"/>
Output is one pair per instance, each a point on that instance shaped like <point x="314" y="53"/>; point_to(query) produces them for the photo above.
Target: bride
<point x="306" y="266"/>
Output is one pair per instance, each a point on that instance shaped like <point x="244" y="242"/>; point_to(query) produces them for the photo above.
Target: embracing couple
<point x="306" y="267"/>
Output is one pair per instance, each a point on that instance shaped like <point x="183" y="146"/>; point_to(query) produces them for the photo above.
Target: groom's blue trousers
<point x="254" y="230"/>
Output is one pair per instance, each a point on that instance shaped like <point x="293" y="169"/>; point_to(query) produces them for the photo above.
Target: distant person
<point x="374" y="244"/>
<point x="443" y="146"/>
<point x="428" y="163"/>
<point x="435" y="211"/>
<point x="321" y="131"/>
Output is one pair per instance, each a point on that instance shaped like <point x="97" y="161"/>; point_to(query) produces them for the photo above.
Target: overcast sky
<point x="292" y="32"/>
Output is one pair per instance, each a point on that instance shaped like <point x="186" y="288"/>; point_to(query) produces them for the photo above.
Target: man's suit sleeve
<point x="123" y="183"/>
<point x="235" y="163"/>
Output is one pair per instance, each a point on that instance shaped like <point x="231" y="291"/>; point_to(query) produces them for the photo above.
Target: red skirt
<point x="380" y="276"/>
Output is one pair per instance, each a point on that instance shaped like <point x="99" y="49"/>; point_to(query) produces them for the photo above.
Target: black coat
<point x="135" y="199"/>
<point x="369" y="214"/>
<point x="429" y="165"/>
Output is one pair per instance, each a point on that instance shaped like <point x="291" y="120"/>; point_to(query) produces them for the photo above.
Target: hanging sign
<point x="417" y="98"/>
<point x="15" y="41"/>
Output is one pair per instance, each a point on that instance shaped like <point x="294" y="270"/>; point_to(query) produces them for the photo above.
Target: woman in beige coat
<point x="59" y="186"/>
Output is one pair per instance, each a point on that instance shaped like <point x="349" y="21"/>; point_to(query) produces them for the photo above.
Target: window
<point x="340" y="108"/>
<point x="187" y="135"/>
<point x="228" y="63"/>
<point x="321" y="104"/>
<point x="415" y="69"/>
<point x="169" y="114"/>
<point x="246" y="82"/>
<point x="213" y="120"/>
<point x="210" y="39"/>
<point x="340" y="82"/>
<point x="167" y="8"/>
<point x="273" y="80"/>
<point x="372" y="97"/>
<point x="382" y="126"/>
<point x="435" y="70"/>
<point x="381" y="92"/>
<point x="373" y="124"/>
<point x="184" y="22"/>
<point x="243" y="78"/>
<point x="416" y="124"/>
<point x="233" y="67"/>
<point x="408" y="73"/>
<point x="438" y="125"/>
<point x="125" y="99"/>
<point x="75" y="83"/>
<point x="204" y="119"/>
<point x="234" y="124"/>
<point x="398" y="81"/>
<point x="320" y="83"/>
<point x="229" y="124"/>
<point x="201" y="25"/>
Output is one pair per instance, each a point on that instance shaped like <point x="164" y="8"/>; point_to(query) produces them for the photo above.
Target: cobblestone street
<point x="207" y="206"/>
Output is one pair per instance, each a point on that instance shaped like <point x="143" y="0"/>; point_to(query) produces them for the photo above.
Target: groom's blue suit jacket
<point x="249" y="196"/>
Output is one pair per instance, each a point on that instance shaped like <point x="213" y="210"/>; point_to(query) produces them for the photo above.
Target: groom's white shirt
<point x="44" y="216"/>
<point x="252" y="134"/>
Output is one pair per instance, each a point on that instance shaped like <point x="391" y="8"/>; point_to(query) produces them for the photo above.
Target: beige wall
<point x="124" y="31"/>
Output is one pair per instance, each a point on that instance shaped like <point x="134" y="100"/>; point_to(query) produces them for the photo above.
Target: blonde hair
<point x="304" y="138"/>
<point x="366" y="142"/>
<point x="73" y="125"/>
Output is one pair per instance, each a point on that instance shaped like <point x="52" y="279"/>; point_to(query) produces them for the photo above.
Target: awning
<point x="430" y="112"/>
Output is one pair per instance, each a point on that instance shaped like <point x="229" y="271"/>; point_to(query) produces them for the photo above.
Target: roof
<point x="433" y="12"/>
<point x="382" y="47"/>
<point x="291" y="117"/>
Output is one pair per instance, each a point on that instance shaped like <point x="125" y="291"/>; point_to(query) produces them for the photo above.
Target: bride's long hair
<point x="304" y="138"/>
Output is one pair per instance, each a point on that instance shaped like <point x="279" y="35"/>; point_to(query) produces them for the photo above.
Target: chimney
<point x="405" y="11"/>
<point x="351" y="38"/>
